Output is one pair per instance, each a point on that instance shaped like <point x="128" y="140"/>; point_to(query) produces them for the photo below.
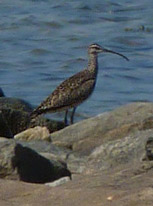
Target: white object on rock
<point x="58" y="182"/>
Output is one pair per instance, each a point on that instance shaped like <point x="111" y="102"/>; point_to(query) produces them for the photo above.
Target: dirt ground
<point x="127" y="185"/>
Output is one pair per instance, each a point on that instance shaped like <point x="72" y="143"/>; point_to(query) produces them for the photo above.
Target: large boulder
<point x="15" y="103"/>
<point x="86" y="135"/>
<point x="21" y="162"/>
<point x="134" y="148"/>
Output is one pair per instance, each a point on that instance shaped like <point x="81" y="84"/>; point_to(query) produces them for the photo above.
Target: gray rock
<point x="56" y="183"/>
<point x="74" y="162"/>
<point x="86" y="135"/>
<point x="20" y="162"/>
<point x="122" y="151"/>
<point x="6" y="154"/>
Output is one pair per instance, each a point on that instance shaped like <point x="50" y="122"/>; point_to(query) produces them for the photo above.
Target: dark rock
<point x="149" y="148"/>
<point x="1" y="93"/>
<point x="51" y="125"/>
<point x="14" y="103"/>
<point x="16" y="113"/>
<point x="17" y="120"/>
<point x="4" y="128"/>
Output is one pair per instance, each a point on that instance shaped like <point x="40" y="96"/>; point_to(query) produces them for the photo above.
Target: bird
<point x="76" y="89"/>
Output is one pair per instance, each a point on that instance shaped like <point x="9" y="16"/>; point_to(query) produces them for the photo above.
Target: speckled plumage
<point x="74" y="90"/>
<point x="68" y="94"/>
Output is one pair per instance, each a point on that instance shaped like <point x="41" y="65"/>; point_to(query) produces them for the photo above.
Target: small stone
<point x="58" y="182"/>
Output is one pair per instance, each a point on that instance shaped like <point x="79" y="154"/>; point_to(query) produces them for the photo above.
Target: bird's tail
<point x="34" y="114"/>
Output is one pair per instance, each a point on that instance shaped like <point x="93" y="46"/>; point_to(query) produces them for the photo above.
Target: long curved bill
<point x="110" y="51"/>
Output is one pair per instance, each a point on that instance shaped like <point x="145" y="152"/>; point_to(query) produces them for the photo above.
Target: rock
<point x="4" y="128"/>
<point x="51" y="125"/>
<point x="121" y="151"/>
<point x="36" y="133"/>
<point x="1" y="93"/>
<point x="6" y="154"/>
<point x="19" y="162"/>
<point x="56" y="183"/>
<point x="86" y="135"/>
<point x="74" y="162"/>
<point x="15" y="104"/>
<point x="109" y="161"/>
<point x="149" y="148"/>
<point x="17" y="120"/>
<point x="16" y="113"/>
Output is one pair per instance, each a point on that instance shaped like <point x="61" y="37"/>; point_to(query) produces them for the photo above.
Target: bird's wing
<point x="70" y="92"/>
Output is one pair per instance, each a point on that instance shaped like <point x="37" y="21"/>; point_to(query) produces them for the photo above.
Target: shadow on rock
<point x="34" y="168"/>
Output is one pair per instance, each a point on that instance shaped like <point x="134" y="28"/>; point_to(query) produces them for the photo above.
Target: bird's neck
<point x="93" y="64"/>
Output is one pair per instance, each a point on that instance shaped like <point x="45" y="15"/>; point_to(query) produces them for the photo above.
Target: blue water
<point x="43" y="42"/>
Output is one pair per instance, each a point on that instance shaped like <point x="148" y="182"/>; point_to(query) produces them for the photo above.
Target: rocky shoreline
<point x="104" y="160"/>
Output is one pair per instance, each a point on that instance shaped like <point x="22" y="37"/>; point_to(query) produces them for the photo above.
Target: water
<point x="43" y="42"/>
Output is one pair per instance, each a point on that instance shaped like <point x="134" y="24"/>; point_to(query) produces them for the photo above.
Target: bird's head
<point x="96" y="49"/>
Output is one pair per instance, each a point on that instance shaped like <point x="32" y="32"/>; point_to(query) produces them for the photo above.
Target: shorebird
<point x="76" y="89"/>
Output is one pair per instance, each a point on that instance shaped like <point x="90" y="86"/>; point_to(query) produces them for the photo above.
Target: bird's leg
<point x="72" y="115"/>
<point x="65" y="118"/>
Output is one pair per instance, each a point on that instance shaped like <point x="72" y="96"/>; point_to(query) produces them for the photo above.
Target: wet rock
<point x="1" y="93"/>
<point x="36" y="133"/>
<point x="15" y="103"/>
<point x="4" y="128"/>
<point x="19" y="162"/>
<point x="17" y="120"/>
<point x="86" y="135"/>
<point x="51" y="125"/>
<point x="16" y="113"/>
